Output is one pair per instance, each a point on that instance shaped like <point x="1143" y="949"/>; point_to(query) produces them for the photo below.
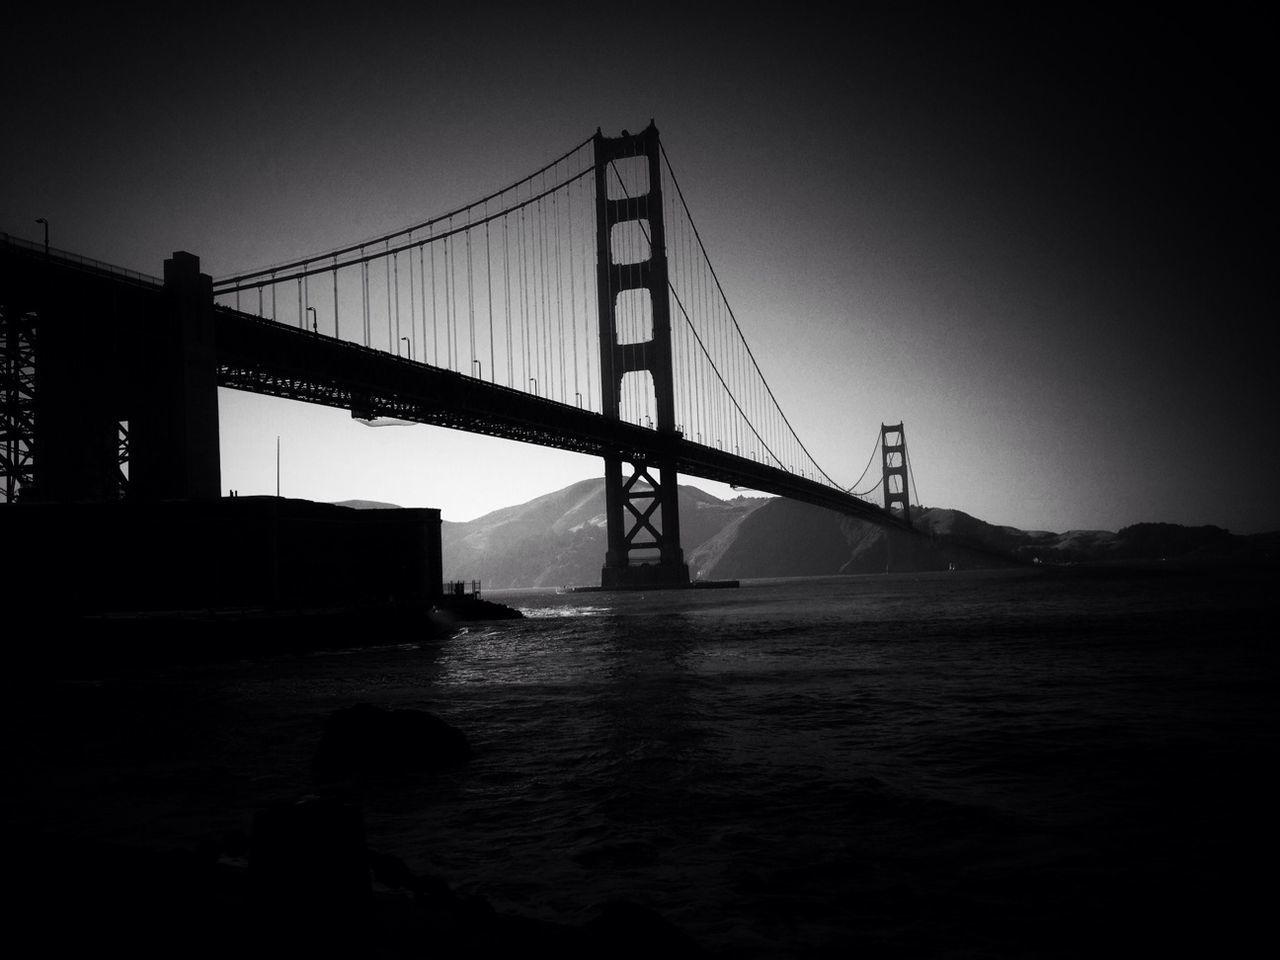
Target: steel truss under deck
<point x="18" y="399"/>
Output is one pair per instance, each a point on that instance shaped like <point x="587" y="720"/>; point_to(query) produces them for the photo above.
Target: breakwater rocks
<point x="450" y="609"/>
<point x="303" y="884"/>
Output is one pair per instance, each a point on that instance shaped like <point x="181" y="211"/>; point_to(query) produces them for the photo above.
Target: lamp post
<point x="45" y="222"/>
<point x="480" y="375"/>
<point x="312" y="311"/>
<point x="410" y="343"/>
<point x="534" y="381"/>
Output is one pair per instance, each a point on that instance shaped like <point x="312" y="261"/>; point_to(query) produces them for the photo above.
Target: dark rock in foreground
<point x="309" y="873"/>
<point x="365" y="740"/>
<point x="452" y="609"/>
<point x="80" y="898"/>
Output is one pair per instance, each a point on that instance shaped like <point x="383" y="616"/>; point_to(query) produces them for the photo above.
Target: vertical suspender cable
<point x="488" y="282"/>
<point x="544" y="300"/>
<point x="524" y="303"/>
<point x="435" y="326"/>
<point x="386" y="260"/>
<point x="364" y="294"/>
<point x="422" y="280"/>
<point x="573" y="297"/>
<point x="506" y="287"/>
<point x="364" y="300"/>
<point x="448" y="305"/>
<point x="588" y="279"/>
<point x="708" y="361"/>
<point x="471" y="307"/>
<point x="555" y="212"/>
<point x="611" y="327"/>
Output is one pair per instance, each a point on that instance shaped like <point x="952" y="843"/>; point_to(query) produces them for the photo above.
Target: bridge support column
<point x="642" y="511"/>
<point x="893" y="460"/>
<point x="17" y="403"/>
<point x="173" y="433"/>
<point x="61" y="391"/>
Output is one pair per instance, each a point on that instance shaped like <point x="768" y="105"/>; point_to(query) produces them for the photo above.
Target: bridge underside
<point x="261" y="356"/>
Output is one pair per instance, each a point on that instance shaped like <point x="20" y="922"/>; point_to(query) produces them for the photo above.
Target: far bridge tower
<point x="893" y="459"/>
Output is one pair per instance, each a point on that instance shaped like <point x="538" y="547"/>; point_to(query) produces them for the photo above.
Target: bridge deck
<point x="266" y="357"/>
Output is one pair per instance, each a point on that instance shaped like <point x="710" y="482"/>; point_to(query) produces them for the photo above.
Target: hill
<point x="559" y="539"/>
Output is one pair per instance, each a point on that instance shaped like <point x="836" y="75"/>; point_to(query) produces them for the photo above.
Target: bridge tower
<point x="174" y="436"/>
<point x="893" y="460"/>
<point x="643" y="512"/>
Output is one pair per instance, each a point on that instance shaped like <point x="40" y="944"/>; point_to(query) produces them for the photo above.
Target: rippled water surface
<point x="960" y="764"/>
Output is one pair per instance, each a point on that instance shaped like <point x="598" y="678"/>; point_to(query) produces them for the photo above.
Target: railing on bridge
<point x="68" y="258"/>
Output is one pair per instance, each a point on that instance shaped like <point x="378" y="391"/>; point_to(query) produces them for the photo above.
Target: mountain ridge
<point x="559" y="539"/>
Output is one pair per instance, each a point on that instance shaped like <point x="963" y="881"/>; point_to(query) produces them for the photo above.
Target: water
<point x="971" y="764"/>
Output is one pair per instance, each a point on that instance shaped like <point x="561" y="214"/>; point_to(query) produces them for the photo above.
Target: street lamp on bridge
<point x="312" y="311"/>
<point x="45" y="222"/>
<point x="410" y="343"/>
<point x="479" y="375"/>
<point x="534" y="381"/>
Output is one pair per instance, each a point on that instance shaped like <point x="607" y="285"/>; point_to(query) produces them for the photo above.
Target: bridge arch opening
<point x="639" y="402"/>
<point x="629" y="242"/>
<point x="627" y="177"/>
<point x="633" y="316"/>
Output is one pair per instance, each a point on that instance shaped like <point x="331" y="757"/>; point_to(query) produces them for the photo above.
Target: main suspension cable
<point x="676" y="183"/>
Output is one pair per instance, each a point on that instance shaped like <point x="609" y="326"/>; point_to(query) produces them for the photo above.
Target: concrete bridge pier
<point x="174" y="420"/>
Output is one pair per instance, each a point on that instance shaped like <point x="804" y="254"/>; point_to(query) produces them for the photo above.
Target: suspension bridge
<point x="576" y="308"/>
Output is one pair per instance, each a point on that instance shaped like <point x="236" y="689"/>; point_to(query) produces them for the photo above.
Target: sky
<point x="1040" y="241"/>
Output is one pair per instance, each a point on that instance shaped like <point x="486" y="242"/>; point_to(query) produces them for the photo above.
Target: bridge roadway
<point x="266" y="357"/>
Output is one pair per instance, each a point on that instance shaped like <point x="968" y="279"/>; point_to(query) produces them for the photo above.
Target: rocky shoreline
<point x="302" y="881"/>
<point x="79" y="897"/>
